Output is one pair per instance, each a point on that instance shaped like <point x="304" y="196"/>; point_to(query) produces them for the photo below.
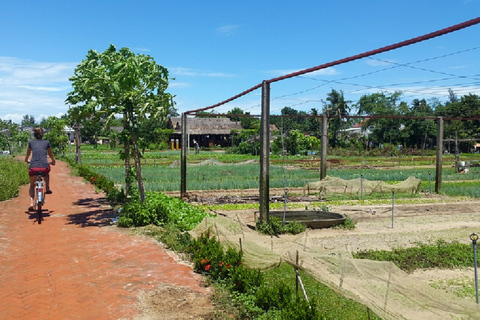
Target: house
<point x="357" y="130"/>
<point x="208" y="132"/>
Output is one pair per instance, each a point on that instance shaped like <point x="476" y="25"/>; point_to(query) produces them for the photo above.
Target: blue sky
<point x="217" y="49"/>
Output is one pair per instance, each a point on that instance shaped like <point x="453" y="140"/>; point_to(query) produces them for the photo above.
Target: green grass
<point x="13" y="174"/>
<point x="329" y="304"/>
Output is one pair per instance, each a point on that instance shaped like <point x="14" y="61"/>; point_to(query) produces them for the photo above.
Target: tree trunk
<point x="126" y="148"/>
<point x="78" y="143"/>
<point x="138" y="167"/>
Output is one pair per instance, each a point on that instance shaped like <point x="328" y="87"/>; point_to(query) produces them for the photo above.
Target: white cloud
<point x="180" y="71"/>
<point x="33" y="87"/>
<point x="40" y="88"/>
<point x="228" y="30"/>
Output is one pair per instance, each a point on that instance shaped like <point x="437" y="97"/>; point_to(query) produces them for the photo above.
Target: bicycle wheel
<point x="39" y="213"/>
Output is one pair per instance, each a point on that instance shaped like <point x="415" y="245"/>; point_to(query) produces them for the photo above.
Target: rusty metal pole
<point x="183" y="158"/>
<point x="265" y="153"/>
<point x="323" y="156"/>
<point x="439" y="161"/>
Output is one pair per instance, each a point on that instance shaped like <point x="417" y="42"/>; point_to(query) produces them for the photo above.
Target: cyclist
<point x="39" y="149"/>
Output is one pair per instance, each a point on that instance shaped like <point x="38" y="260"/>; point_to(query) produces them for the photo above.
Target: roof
<point x="205" y="125"/>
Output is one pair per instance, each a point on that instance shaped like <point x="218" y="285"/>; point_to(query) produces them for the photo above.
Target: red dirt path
<point x="75" y="265"/>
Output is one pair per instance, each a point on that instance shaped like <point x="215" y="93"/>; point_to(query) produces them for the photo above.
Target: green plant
<point x="439" y="255"/>
<point x="160" y="209"/>
<point x="12" y="175"/>
<point x="275" y="225"/>
<point x="348" y="224"/>
<point x="210" y="258"/>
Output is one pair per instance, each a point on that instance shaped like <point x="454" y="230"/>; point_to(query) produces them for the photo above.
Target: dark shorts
<point x="33" y="171"/>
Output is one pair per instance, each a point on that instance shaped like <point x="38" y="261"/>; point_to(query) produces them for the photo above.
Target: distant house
<point x="357" y="130"/>
<point x="208" y="132"/>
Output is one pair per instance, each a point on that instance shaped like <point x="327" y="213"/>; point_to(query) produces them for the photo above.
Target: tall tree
<point x="336" y="106"/>
<point x="122" y="82"/>
<point x="28" y="120"/>
<point x="383" y="104"/>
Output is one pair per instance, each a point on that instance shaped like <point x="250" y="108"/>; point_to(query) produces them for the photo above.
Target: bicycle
<point x="39" y="199"/>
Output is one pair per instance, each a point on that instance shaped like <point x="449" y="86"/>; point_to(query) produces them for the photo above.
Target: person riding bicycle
<point x="39" y="149"/>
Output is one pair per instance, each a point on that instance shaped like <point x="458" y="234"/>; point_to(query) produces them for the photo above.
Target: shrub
<point x="160" y="209"/>
<point x="13" y="174"/>
<point x="209" y="257"/>
<point x="275" y="225"/>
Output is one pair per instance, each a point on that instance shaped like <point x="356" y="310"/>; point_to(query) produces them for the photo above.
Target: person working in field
<point x="39" y="149"/>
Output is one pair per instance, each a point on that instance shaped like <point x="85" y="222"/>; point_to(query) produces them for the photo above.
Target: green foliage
<point x="274" y="226"/>
<point x="98" y="180"/>
<point x="12" y="175"/>
<point x="348" y="224"/>
<point x="56" y="132"/>
<point x="210" y="258"/>
<point x="160" y="209"/>
<point x="295" y="142"/>
<point x="439" y="255"/>
<point x="254" y="297"/>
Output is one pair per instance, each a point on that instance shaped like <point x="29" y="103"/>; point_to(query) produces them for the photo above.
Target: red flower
<point x="207" y="267"/>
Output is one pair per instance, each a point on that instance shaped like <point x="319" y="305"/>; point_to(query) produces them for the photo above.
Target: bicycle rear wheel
<point x="39" y="213"/>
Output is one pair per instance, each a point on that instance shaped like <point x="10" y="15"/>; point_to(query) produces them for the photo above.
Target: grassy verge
<point x="13" y="174"/>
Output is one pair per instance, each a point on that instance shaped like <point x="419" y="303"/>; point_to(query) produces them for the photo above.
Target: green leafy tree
<point x="245" y="122"/>
<point x="337" y="107"/>
<point x="121" y="82"/>
<point x="463" y="107"/>
<point x="383" y="104"/>
<point x="419" y="133"/>
<point x="28" y="120"/>
<point x="56" y="134"/>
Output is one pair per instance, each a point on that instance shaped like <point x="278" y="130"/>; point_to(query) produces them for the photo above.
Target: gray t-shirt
<point x="39" y="153"/>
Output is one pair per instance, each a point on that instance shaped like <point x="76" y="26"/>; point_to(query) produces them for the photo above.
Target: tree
<point x="56" y="134"/>
<point x="28" y="120"/>
<point x="383" y="104"/>
<point x="121" y="82"/>
<point x="336" y="106"/>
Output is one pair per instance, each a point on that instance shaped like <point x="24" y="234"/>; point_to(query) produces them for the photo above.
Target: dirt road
<point x="76" y="265"/>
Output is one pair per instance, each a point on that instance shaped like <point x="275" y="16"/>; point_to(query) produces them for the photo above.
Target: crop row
<point x="225" y="177"/>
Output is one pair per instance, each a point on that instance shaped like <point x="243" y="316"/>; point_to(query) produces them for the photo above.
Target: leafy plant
<point x="275" y="225"/>
<point x="439" y="255"/>
<point x="12" y="175"/>
<point x="160" y="209"/>
<point x="348" y="224"/>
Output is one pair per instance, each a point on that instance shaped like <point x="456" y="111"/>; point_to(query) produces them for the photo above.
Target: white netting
<point x="383" y="287"/>
<point x="355" y="186"/>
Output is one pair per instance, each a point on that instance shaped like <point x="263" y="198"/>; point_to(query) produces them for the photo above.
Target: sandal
<point x="49" y="192"/>
<point x="31" y="208"/>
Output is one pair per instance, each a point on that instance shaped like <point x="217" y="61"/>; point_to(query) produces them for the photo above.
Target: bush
<point x="13" y="174"/>
<point x="254" y="296"/>
<point x="209" y="257"/>
<point x="275" y="226"/>
<point x="160" y="209"/>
